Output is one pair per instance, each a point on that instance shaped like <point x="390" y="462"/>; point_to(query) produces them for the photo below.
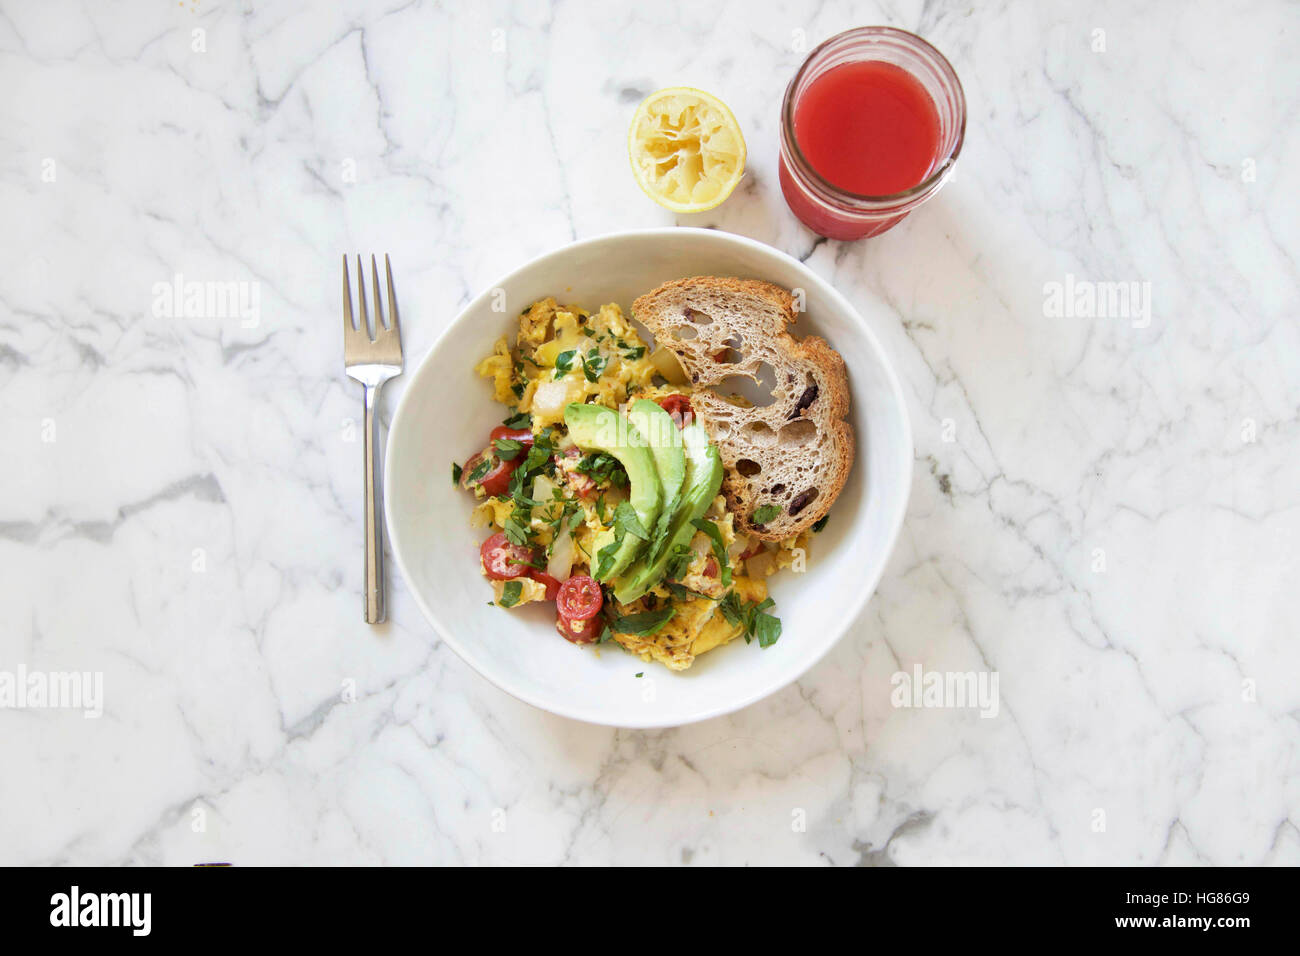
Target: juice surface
<point x="868" y="127"/>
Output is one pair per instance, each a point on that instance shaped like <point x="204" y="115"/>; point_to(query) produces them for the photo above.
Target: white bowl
<point x="447" y="411"/>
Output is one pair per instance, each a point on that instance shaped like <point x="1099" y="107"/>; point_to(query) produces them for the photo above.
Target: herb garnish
<point x="625" y="517"/>
<point x="753" y="617"/>
<point x="478" y="471"/>
<point x="517" y="527"/>
<point x="625" y="522"/>
<point x="765" y="514"/>
<point x="600" y="467"/>
<point x="519" y="420"/>
<point x="642" y="624"/>
<point x="511" y="593"/>
<point x="593" y="365"/>
<point x="821" y="522"/>
<point x="766" y="627"/>
<point x="508" y="448"/>
<point x="683" y="593"/>
<point x="719" y="549"/>
<point x="678" y="562"/>
<point x="455" y="474"/>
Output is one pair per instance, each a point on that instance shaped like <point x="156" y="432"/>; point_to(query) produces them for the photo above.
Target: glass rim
<point x="806" y="168"/>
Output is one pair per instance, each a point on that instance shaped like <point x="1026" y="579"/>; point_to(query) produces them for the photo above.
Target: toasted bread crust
<point x="797" y="451"/>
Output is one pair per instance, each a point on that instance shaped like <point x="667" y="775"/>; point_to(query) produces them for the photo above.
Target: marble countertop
<point x="1105" y="510"/>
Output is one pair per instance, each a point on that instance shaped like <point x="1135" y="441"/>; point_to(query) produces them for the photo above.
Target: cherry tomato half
<point x="503" y="560"/>
<point x="579" y="632"/>
<point x="521" y="435"/>
<point x="678" y="406"/>
<point x="496" y="481"/>
<point x="580" y="598"/>
<point x="552" y="585"/>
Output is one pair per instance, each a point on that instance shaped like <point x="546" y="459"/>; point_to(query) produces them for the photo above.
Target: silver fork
<point x="372" y="359"/>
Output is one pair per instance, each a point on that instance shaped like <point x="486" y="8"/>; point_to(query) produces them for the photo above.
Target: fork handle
<point x="375" y="604"/>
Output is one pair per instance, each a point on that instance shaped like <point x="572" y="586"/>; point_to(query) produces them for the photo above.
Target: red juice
<point x="871" y="126"/>
<point x="868" y="127"/>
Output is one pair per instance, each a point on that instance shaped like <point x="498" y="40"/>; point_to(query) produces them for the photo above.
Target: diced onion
<point x="543" y="489"/>
<point x="560" y="566"/>
<point x="738" y="547"/>
<point x="550" y="398"/>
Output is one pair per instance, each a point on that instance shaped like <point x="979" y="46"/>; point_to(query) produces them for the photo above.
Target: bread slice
<point x="794" y="453"/>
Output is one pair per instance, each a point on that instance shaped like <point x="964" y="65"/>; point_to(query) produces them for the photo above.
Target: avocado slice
<point x="665" y="440"/>
<point x="703" y="479"/>
<point x="597" y="428"/>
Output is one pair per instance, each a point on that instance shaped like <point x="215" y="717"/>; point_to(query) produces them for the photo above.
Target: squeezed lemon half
<point x="686" y="148"/>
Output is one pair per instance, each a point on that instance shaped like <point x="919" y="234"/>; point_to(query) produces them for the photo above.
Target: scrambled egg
<point x="698" y="625"/>
<point x="565" y="354"/>
<point x="530" y="590"/>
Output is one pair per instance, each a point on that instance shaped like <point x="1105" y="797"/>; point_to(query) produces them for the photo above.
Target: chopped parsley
<point x="678" y="562"/>
<point x="519" y="420"/>
<point x="511" y="593"/>
<point x="478" y="471"/>
<point x="753" y="617"/>
<point x="644" y="623"/>
<point x="625" y="518"/>
<point x="603" y="468"/>
<point x="567" y="515"/>
<point x="508" y="448"/>
<point x="766" y="627"/>
<point x="564" y="361"/>
<point x="821" y="522"/>
<point x="516" y="527"/>
<point x="455" y="474"/>
<point x="593" y="365"/>
<point x="605" y="558"/>
<point x="540" y="454"/>
<point x="663" y="529"/>
<point x="765" y="514"/>
<point x="719" y="549"/>
<point x="625" y="522"/>
<point x="682" y="593"/>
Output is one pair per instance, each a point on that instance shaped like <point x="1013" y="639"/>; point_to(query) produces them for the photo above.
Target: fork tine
<point x="348" y="324"/>
<point x="379" y="303"/>
<point x="393" y="322"/>
<point x="361" y="298"/>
